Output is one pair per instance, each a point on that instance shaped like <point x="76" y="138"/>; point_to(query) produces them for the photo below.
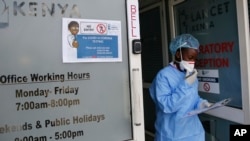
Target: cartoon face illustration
<point x="73" y="27"/>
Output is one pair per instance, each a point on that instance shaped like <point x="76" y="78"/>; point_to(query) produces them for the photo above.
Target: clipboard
<point x="213" y="106"/>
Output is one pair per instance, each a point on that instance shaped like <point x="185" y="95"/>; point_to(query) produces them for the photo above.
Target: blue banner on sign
<point x="97" y="46"/>
<point x="208" y="79"/>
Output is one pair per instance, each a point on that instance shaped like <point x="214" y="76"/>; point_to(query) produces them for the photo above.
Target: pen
<point x="190" y="74"/>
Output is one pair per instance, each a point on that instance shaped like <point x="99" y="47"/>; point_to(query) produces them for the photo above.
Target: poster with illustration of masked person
<point x="91" y="40"/>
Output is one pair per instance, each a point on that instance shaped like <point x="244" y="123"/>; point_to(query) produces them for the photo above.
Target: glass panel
<point x="150" y="27"/>
<point x="214" y="23"/>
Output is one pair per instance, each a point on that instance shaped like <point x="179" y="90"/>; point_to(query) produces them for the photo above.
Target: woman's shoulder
<point x="170" y="73"/>
<point x="169" y="69"/>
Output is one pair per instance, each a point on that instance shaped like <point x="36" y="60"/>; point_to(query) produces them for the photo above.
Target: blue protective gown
<point x="174" y="98"/>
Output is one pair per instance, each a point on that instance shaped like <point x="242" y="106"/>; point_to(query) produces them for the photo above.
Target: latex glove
<point x="191" y="77"/>
<point x="205" y="104"/>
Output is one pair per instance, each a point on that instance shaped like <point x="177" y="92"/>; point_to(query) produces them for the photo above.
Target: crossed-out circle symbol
<point x="206" y="87"/>
<point x="101" y="28"/>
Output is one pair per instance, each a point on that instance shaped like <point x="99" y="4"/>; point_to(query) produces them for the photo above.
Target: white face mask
<point x="187" y="65"/>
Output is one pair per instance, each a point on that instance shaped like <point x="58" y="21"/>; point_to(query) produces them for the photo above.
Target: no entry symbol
<point x="206" y="87"/>
<point x="101" y="28"/>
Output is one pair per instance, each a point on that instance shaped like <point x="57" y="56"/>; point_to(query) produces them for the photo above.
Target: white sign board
<point x="91" y="40"/>
<point x="209" y="81"/>
<point x="49" y="93"/>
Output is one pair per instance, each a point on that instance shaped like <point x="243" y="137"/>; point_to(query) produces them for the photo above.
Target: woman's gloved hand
<point x="205" y="104"/>
<point x="191" y="77"/>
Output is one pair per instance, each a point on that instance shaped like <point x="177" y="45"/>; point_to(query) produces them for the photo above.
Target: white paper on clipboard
<point x="215" y="105"/>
